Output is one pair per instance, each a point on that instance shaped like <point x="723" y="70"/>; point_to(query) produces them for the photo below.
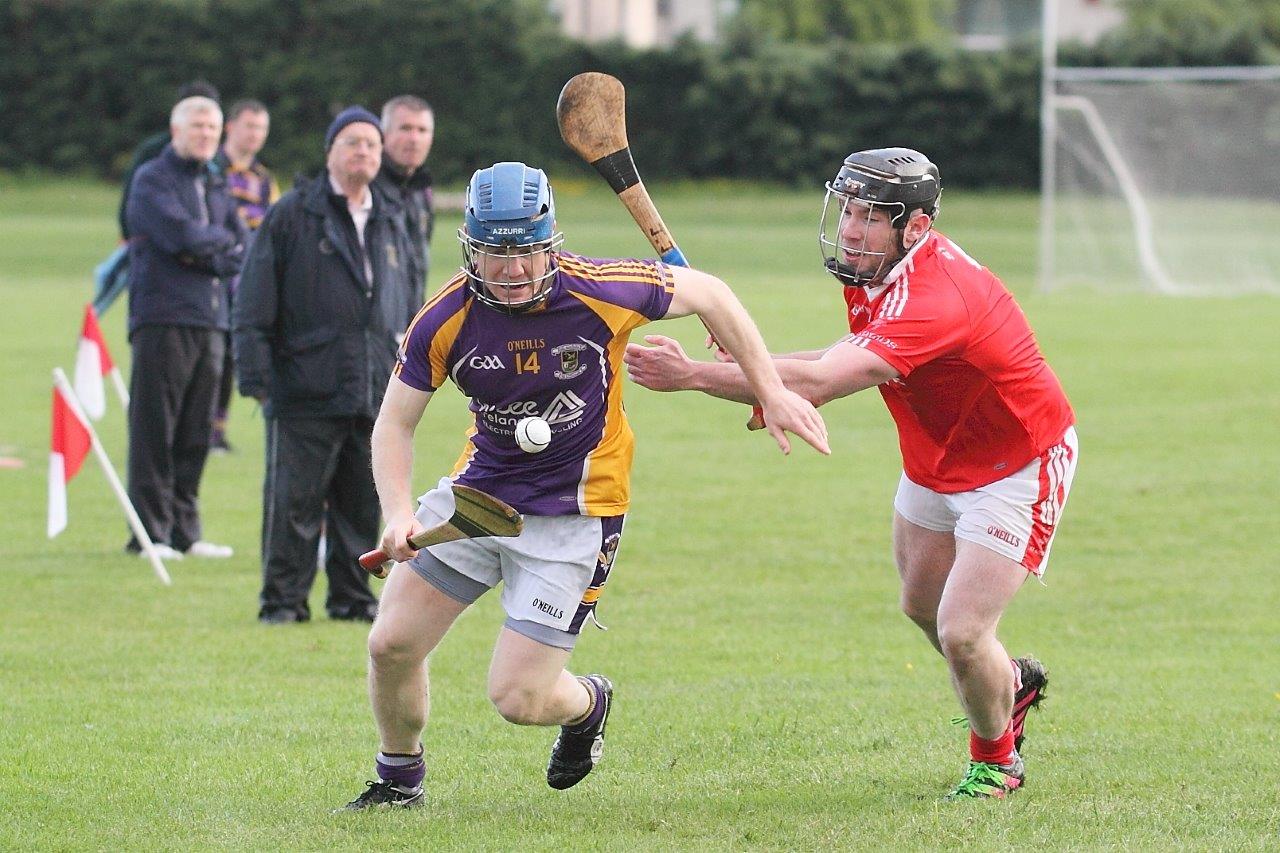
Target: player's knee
<point x="924" y="615"/>
<point x="960" y="640"/>
<point x="389" y="649"/>
<point x="516" y="703"/>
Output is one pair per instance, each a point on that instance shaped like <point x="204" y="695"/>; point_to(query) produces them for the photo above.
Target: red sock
<point x="997" y="751"/>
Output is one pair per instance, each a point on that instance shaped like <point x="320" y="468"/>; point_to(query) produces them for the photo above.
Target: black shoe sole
<point x="568" y="775"/>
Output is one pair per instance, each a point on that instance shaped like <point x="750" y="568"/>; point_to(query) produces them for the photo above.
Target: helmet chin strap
<point x="850" y="277"/>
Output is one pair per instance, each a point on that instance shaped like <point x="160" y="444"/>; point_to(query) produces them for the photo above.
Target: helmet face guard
<point x="508" y="237"/>
<point x="497" y="274"/>
<point x="854" y="263"/>
<point x="896" y="181"/>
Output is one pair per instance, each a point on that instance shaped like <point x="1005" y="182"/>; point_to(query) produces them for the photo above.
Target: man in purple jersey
<point x="527" y="330"/>
<point x="254" y="189"/>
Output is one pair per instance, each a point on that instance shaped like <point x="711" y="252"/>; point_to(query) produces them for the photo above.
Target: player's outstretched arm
<point x="843" y="369"/>
<point x="712" y="300"/>
<point x="401" y="410"/>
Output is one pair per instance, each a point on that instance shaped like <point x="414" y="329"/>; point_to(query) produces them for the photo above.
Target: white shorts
<point x="1015" y="517"/>
<point x="552" y="573"/>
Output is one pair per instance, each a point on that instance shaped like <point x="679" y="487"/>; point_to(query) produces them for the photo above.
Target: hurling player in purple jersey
<point x="527" y="330"/>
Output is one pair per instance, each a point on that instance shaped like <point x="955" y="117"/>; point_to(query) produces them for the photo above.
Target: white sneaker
<point x="209" y="550"/>
<point x="164" y="552"/>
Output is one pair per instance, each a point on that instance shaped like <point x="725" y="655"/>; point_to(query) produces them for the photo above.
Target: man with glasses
<point x="326" y="289"/>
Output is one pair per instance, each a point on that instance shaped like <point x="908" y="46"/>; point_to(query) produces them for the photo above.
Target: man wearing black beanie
<point x="326" y="289"/>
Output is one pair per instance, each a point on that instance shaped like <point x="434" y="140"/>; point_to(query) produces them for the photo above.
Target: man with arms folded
<point x="186" y="242"/>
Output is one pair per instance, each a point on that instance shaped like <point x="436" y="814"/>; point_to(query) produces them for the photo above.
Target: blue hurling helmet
<point x="508" y="236"/>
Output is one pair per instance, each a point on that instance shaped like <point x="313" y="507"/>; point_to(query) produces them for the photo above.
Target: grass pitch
<point x="770" y="695"/>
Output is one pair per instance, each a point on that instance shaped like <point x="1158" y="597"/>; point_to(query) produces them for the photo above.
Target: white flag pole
<point x="121" y="391"/>
<point x="135" y="523"/>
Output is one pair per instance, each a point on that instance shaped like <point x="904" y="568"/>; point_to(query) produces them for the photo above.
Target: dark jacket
<point x="311" y="333"/>
<point x="414" y="194"/>
<point x="147" y="150"/>
<point x="177" y="264"/>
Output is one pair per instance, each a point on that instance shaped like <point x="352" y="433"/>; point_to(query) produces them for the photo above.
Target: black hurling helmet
<point x="898" y="179"/>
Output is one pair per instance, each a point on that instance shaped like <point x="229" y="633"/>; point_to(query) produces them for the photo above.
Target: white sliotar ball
<point x="533" y="435"/>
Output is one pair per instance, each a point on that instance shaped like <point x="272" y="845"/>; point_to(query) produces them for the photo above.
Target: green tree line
<point x="81" y="81"/>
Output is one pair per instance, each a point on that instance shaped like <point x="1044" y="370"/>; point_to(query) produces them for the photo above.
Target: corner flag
<point x="68" y="449"/>
<point x="93" y="362"/>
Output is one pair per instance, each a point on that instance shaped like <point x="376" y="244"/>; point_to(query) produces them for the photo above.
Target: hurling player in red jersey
<point x="986" y="432"/>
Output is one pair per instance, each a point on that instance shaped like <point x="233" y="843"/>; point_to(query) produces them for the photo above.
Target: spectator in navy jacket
<point x="186" y="240"/>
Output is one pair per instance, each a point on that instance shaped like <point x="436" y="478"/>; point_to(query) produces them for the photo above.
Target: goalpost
<point x="1163" y="179"/>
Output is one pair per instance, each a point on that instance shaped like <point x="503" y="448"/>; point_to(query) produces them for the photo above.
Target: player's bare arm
<point x="804" y="355"/>
<point x="711" y="299"/>
<point x="402" y="408"/>
<point x="839" y="371"/>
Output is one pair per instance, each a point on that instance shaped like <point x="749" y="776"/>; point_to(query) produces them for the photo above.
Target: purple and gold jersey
<point x="562" y="362"/>
<point x="253" y="188"/>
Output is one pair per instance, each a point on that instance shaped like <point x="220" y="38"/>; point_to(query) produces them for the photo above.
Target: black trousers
<point x="318" y="469"/>
<point x="228" y="380"/>
<point x="172" y="390"/>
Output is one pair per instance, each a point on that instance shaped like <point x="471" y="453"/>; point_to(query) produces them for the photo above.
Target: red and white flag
<point x="92" y="363"/>
<point x="68" y="448"/>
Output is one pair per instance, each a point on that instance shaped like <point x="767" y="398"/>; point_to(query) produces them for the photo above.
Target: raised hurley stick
<point x="475" y="514"/>
<point x="592" y="116"/>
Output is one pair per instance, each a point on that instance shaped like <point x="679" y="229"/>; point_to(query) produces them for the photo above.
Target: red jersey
<point x="975" y="400"/>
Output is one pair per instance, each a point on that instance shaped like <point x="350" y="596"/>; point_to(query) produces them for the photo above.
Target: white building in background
<point x="979" y="24"/>
<point x="994" y="24"/>
<point x="642" y="23"/>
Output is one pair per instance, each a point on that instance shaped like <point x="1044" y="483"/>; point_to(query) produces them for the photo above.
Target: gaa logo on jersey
<point x="571" y="364"/>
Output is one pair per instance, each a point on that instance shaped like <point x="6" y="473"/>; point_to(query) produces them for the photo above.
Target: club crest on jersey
<point x="571" y="363"/>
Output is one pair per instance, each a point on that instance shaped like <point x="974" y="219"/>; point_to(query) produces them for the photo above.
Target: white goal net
<point x="1164" y="179"/>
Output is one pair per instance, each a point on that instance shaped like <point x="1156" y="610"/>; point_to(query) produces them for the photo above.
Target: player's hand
<point x="395" y="539"/>
<point x="720" y="353"/>
<point x="786" y="412"/>
<point x="662" y="366"/>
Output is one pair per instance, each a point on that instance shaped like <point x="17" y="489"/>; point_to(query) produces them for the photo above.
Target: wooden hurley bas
<point x="475" y="514"/>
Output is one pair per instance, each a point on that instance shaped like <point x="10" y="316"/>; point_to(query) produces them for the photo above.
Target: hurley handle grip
<point x="377" y="563"/>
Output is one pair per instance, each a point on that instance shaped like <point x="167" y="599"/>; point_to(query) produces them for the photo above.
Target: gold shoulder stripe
<point x="603" y="263"/>
<point x="641" y="277"/>
<point x="453" y="284"/>
<point x="611" y="267"/>
<point x="450" y="286"/>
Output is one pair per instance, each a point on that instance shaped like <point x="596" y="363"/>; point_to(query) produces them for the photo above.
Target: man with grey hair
<point x="409" y="124"/>
<point x="186" y="240"/>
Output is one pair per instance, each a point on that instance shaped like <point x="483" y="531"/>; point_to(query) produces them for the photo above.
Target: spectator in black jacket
<point x="328" y="287"/>
<point x="186" y="241"/>
<point x="410" y="127"/>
